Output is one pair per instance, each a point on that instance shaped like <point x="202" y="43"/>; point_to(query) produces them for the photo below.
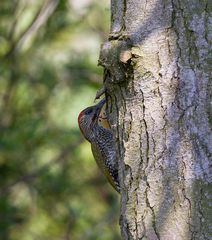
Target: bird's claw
<point x="99" y="93"/>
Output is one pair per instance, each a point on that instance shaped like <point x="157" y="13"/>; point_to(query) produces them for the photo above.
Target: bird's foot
<point x="100" y="92"/>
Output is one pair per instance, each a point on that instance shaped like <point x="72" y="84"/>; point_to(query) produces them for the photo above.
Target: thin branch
<point x="40" y="18"/>
<point x="16" y="9"/>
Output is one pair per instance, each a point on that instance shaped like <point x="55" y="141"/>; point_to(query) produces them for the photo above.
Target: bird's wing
<point x="106" y="162"/>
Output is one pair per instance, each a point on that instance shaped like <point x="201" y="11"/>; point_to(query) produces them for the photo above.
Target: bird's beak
<point x="99" y="106"/>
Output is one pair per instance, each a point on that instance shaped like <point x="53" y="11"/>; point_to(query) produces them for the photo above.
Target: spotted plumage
<point x="102" y="143"/>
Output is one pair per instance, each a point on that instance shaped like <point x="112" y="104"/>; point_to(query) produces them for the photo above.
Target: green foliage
<point x="50" y="187"/>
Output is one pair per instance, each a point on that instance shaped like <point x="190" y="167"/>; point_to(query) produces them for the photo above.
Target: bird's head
<point x="88" y="118"/>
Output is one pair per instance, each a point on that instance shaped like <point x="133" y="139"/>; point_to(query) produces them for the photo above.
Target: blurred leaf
<point x="50" y="186"/>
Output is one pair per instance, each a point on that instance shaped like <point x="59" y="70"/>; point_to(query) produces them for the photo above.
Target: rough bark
<point x="159" y="93"/>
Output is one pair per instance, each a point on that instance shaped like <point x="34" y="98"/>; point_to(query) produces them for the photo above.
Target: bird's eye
<point x="88" y="111"/>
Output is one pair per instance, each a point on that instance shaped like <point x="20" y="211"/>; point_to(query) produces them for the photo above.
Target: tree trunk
<point x="159" y="106"/>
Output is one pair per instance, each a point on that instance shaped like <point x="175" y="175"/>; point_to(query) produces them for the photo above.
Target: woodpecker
<point x="102" y="143"/>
